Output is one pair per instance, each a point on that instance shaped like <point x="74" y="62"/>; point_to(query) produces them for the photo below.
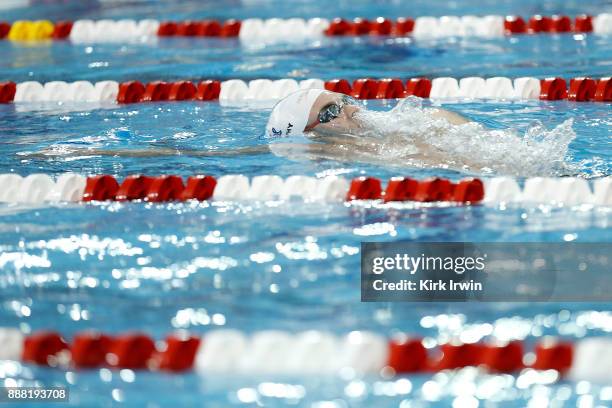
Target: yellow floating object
<point x="41" y="30"/>
<point x="25" y="30"/>
<point x="19" y="30"/>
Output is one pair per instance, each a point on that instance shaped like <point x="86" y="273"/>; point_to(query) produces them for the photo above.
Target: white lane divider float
<point x="89" y="31"/>
<point x="444" y="87"/>
<point x="40" y="188"/>
<point x="592" y="360"/>
<point x="232" y="187"/>
<point x="60" y="91"/>
<point x="255" y="31"/>
<point x="11" y="344"/>
<point x="34" y="188"/>
<point x="236" y="90"/>
<point x="455" y="26"/>
<point x="498" y="88"/>
<point x="29" y="91"/>
<point x="298" y="187"/>
<point x="262" y="188"/>
<point x="567" y="191"/>
<point x="9" y="187"/>
<point x="495" y="88"/>
<point x="527" y="88"/>
<point x="602" y="23"/>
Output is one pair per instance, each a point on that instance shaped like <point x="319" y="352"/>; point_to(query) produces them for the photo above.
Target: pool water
<point x="280" y="266"/>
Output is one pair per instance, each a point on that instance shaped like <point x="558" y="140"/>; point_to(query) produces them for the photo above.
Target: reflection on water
<point x="156" y="268"/>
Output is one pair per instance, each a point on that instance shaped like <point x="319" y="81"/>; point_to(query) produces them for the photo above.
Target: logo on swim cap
<point x="290" y="115"/>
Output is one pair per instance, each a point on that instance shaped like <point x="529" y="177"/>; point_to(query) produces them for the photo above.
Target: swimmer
<point x="318" y="124"/>
<point x="344" y="129"/>
<point x="320" y="113"/>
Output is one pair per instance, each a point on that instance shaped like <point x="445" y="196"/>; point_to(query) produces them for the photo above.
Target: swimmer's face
<point x="333" y="114"/>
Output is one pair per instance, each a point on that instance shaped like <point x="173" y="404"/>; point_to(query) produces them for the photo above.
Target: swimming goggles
<point x="331" y="111"/>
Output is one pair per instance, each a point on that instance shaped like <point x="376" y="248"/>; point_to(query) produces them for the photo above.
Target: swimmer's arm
<point x="157" y="152"/>
<point x="452" y="117"/>
<point x="288" y="150"/>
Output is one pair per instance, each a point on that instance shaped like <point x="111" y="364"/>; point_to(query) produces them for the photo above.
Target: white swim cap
<point x="290" y="116"/>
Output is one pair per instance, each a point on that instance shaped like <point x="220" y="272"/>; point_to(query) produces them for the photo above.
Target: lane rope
<point x="298" y="29"/>
<point x="311" y="352"/>
<point x="71" y="187"/>
<point x="580" y="89"/>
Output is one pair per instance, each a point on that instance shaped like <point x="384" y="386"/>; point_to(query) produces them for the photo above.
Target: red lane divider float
<point x="545" y="24"/>
<point x="7" y="92"/>
<point x="180" y="352"/>
<point x="553" y="89"/>
<point x="89" y="349"/>
<point x="407" y="189"/>
<point x="603" y="92"/>
<point x="166" y="188"/>
<point x="61" y="30"/>
<point x="153" y="189"/>
<point x="206" y="28"/>
<point x="135" y="91"/>
<point x="4" y="29"/>
<point x="379" y="26"/>
<point x="582" y="89"/>
<point x="100" y="188"/>
<point x="39" y="347"/>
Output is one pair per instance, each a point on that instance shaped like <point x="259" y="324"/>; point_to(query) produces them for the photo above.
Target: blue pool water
<point x="256" y="266"/>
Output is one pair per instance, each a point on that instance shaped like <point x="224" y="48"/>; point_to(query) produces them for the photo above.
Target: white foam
<point x="438" y="143"/>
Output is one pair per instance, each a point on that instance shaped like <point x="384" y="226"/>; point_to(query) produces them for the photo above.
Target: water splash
<point x="410" y="131"/>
